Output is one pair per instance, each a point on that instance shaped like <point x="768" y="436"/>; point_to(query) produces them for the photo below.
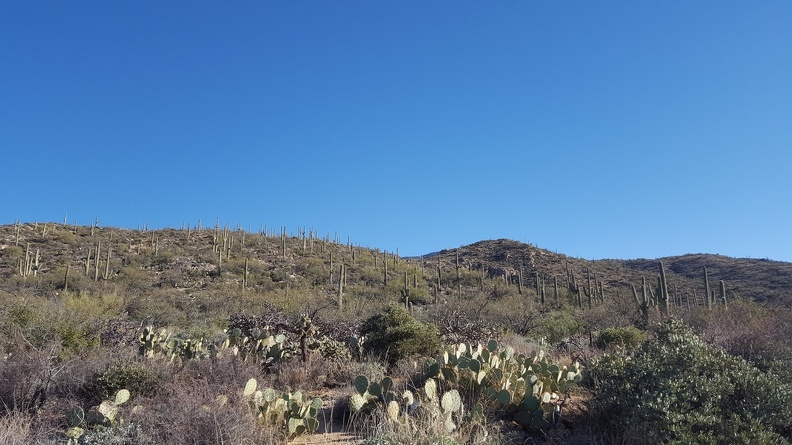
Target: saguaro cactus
<point x="707" y="288"/>
<point x="96" y="263"/>
<point x="664" y="296"/>
<point x="723" y="294"/>
<point x="341" y="273"/>
<point x="106" y="273"/>
<point x="643" y="306"/>
<point x="66" y="279"/>
<point x="245" y="276"/>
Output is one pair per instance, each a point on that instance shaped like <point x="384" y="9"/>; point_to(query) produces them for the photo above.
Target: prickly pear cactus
<point x="370" y="393"/>
<point x="104" y="414"/>
<point x="514" y="382"/>
<point x="163" y="343"/>
<point x="288" y="410"/>
<point x="259" y="347"/>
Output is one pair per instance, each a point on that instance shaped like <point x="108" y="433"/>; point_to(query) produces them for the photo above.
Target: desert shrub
<point x="370" y="367"/>
<point x="75" y="338"/>
<point x="26" y="377"/>
<point x="425" y="428"/>
<point x="627" y="337"/>
<point x="123" y="434"/>
<point x="314" y="270"/>
<point x="11" y="254"/>
<point x="756" y="332"/>
<point x="280" y="274"/>
<point x="677" y="389"/>
<point x="420" y="295"/>
<point x="15" y="429"/>
<point x="80" y="323"/>
<point x="395" y="290"/>
<point x="366" y="274"/>
<point x="159" y="308"/>
<point x="197" y="409"/>
<point x="558" y="325"/>
<point x="137" y="377"/>
<point x="27" y="323"/>
<point x="18" y="428"/>
<point x="66" y="237"/>
<point x="396" y="334"/>
<point x="616" y="310"/>
<point x="469" y="278"/>
<point x="461" y="324"/>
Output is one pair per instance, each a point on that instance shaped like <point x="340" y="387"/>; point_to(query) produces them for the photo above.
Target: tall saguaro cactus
<point x="555" y="289"/>
<point x="66" y="279"/>
<point x="106" y="274"/>
<point x="643" y="306"/>
<point x="96" y="263"/>
<point x="707" y="288"/>
<point x="664" y="296"/>
<point x="245" y="276"/>
<point x="341" y="273"/>
<point x="723" y="294"/>
<point x="385" y="269"/>
<point x="458" y="277"/>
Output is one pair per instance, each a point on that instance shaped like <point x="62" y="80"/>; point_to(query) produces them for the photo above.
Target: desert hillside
<point x="217" y="335"/>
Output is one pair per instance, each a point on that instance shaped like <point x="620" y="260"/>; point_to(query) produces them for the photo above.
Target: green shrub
<point x="558" y="325"/>
<point x="677" y="389"/>
<point x="138" y="378"/>
<point x="396" y="334"/>
<point x="627" y="337"/>
<point x="75" y="338"/>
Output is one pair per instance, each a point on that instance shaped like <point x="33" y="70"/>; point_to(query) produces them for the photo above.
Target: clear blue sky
<point x="596" y="129"/>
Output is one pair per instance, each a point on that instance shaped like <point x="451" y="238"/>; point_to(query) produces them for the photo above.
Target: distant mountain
<point x="757" y="279"/>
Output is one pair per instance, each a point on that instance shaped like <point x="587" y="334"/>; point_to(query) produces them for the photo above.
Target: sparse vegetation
<point x="183" y="319"/>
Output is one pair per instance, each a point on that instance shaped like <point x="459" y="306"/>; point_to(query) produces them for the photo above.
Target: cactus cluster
<point x="153" y="343"/>
<point x="369" y="393"/>
<point x="330" y="349"/>
<point x="398" y="405"/>
<point x="288" y="410"/>
<point x="447" y="407"/>
<point x="105" y="414"/>
<point x="527" y="387"/>
<point x="260" y="347"/>
<point x="263" y="348"/>
<point x="31" y="264"/>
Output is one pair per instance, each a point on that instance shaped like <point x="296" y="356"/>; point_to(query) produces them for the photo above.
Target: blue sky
<point x="595" y="129"/>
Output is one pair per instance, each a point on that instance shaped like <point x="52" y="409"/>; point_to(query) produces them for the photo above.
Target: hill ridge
<point x="762" y="280"/>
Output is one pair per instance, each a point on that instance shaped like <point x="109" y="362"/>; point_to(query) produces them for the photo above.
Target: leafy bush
<point x="75" y="338"/>
<point x="628" y="337"/>
<point x="396" y="334"/>
<point x="557" y="325"/>
<point x="138" y="378"/>
<point x="677" y="389"/>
